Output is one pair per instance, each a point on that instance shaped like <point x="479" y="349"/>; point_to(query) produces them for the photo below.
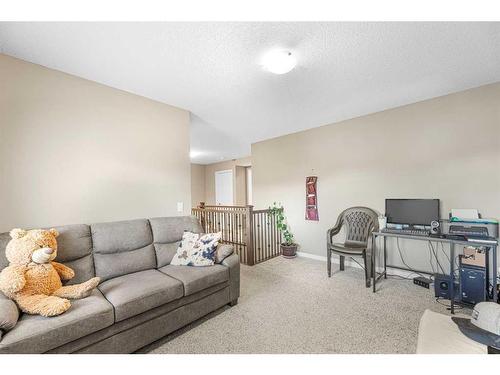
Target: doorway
<point x="224" y="188"/>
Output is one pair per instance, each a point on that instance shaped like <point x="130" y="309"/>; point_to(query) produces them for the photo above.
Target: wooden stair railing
<point x="253" y="233"/>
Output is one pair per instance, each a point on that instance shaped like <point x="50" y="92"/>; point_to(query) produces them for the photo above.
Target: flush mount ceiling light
<point x="194" y="154"/>
<point x="279" y="61"/>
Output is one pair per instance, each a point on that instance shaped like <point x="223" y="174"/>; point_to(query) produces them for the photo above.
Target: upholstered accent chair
<point x="358" y="223"/>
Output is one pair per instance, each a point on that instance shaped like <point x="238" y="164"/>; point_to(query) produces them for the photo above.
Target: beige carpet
<point x="291" y="306"/>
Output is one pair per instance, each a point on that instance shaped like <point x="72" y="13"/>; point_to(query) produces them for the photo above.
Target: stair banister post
<point x="249" y="235"/>
<point x="202" y="216"/>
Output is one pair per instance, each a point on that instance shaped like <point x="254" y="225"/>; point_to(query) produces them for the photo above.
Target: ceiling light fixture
<point x="279" y="61"/>
<point x="193" y="154"/>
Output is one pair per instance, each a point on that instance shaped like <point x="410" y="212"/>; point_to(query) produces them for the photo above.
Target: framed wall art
<point x="312" y="198"/>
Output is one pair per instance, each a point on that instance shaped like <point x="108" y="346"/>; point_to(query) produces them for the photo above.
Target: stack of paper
<point x="465" y="213"/>
<point x="469" y="215"/>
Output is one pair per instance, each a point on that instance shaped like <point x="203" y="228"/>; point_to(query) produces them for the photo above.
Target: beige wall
<point x="197" y="184"/>
<point x="240" y="187"/>
<point x="239" y="191"/>
<point x="446" y="148"/>
<point x="74" y="151"/>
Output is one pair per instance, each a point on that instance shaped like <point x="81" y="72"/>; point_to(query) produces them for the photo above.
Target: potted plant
<point x="288" y="247"/>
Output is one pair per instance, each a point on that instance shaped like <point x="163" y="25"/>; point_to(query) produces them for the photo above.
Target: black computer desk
<point x="492" y="251"/>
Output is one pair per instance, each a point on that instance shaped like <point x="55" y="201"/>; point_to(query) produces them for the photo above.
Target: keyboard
<point x="406" y="232"/>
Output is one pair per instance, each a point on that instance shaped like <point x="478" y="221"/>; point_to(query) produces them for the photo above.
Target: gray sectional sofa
<point x="141" y="297"/>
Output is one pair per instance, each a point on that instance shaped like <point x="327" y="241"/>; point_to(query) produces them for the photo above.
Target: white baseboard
<point x="350" y="263"/>
<point x="312" y="256"/>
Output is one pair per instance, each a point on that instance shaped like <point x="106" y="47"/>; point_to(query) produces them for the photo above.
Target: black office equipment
<point x="422" y="281"/>
<point x="412" y="212"/>
<point x="479" y="231"/>
<point x="442" y="287"/>
<point x="409" y="232"/>
<point x="456" y="237"/>
<point x="473" y="229"/>
<point x="472" y="284"/>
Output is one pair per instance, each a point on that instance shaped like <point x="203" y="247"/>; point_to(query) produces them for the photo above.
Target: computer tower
<point x="472" y="284"/>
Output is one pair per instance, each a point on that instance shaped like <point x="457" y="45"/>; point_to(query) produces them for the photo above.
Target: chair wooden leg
<point x="329" y="262"/>
<point x="342" y="263"/>
<point x="367" y="270"/>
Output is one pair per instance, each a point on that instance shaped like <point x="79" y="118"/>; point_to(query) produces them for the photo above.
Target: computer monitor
<point x="411" y="211"/>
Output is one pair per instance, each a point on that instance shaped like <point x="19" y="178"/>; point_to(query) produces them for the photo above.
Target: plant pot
<point x="289" y="251"/>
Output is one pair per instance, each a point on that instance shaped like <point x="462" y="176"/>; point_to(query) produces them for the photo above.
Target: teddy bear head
<point x="27" y="246"/>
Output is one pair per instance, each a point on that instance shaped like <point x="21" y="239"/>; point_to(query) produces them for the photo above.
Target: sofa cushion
<point x="4" y="240"/>
<point x="73" y="242"/>
<point x="165" y="253"/>
<point x="197" y="278"/>
<point x="122" y="247"/>
<point x="135" y="293"/>
<point x="38" y="334"/>
<point x="113" y="265"/>
<point x="167" y="234"/>
<point x="170" y="229"/>
<point x="74" y="249"/>
<point x="83" y="267"/>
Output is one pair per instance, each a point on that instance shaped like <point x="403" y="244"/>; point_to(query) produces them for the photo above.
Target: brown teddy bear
<point x="33" y="279"/>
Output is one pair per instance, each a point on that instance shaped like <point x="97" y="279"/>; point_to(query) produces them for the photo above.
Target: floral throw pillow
<point x="197" y="249"/>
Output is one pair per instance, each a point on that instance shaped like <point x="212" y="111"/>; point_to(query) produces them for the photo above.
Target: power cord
<point x="433" y="250"/>
<point x="403" y="261"/>
<point x="409" y="277"/>
<point x="444" y="252"/>
<point x="449" y="260"/>
<point x="430" y="260"/>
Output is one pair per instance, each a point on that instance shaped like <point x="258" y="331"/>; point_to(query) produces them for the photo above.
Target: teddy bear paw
<point x="89" y="286"/>
<point x="53" y="306"/>
<point x="92" y="283"/>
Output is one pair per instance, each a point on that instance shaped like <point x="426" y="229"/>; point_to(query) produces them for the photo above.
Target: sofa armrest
<point x="233" y="263"/>
<point x="9" y="314"/>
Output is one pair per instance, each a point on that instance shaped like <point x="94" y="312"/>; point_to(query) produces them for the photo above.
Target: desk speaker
<point x="435" y="227"/>
<point x="442" y="284"/>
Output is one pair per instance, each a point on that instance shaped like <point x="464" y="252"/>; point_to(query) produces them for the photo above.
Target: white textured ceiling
<point x="212" y="69"/>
